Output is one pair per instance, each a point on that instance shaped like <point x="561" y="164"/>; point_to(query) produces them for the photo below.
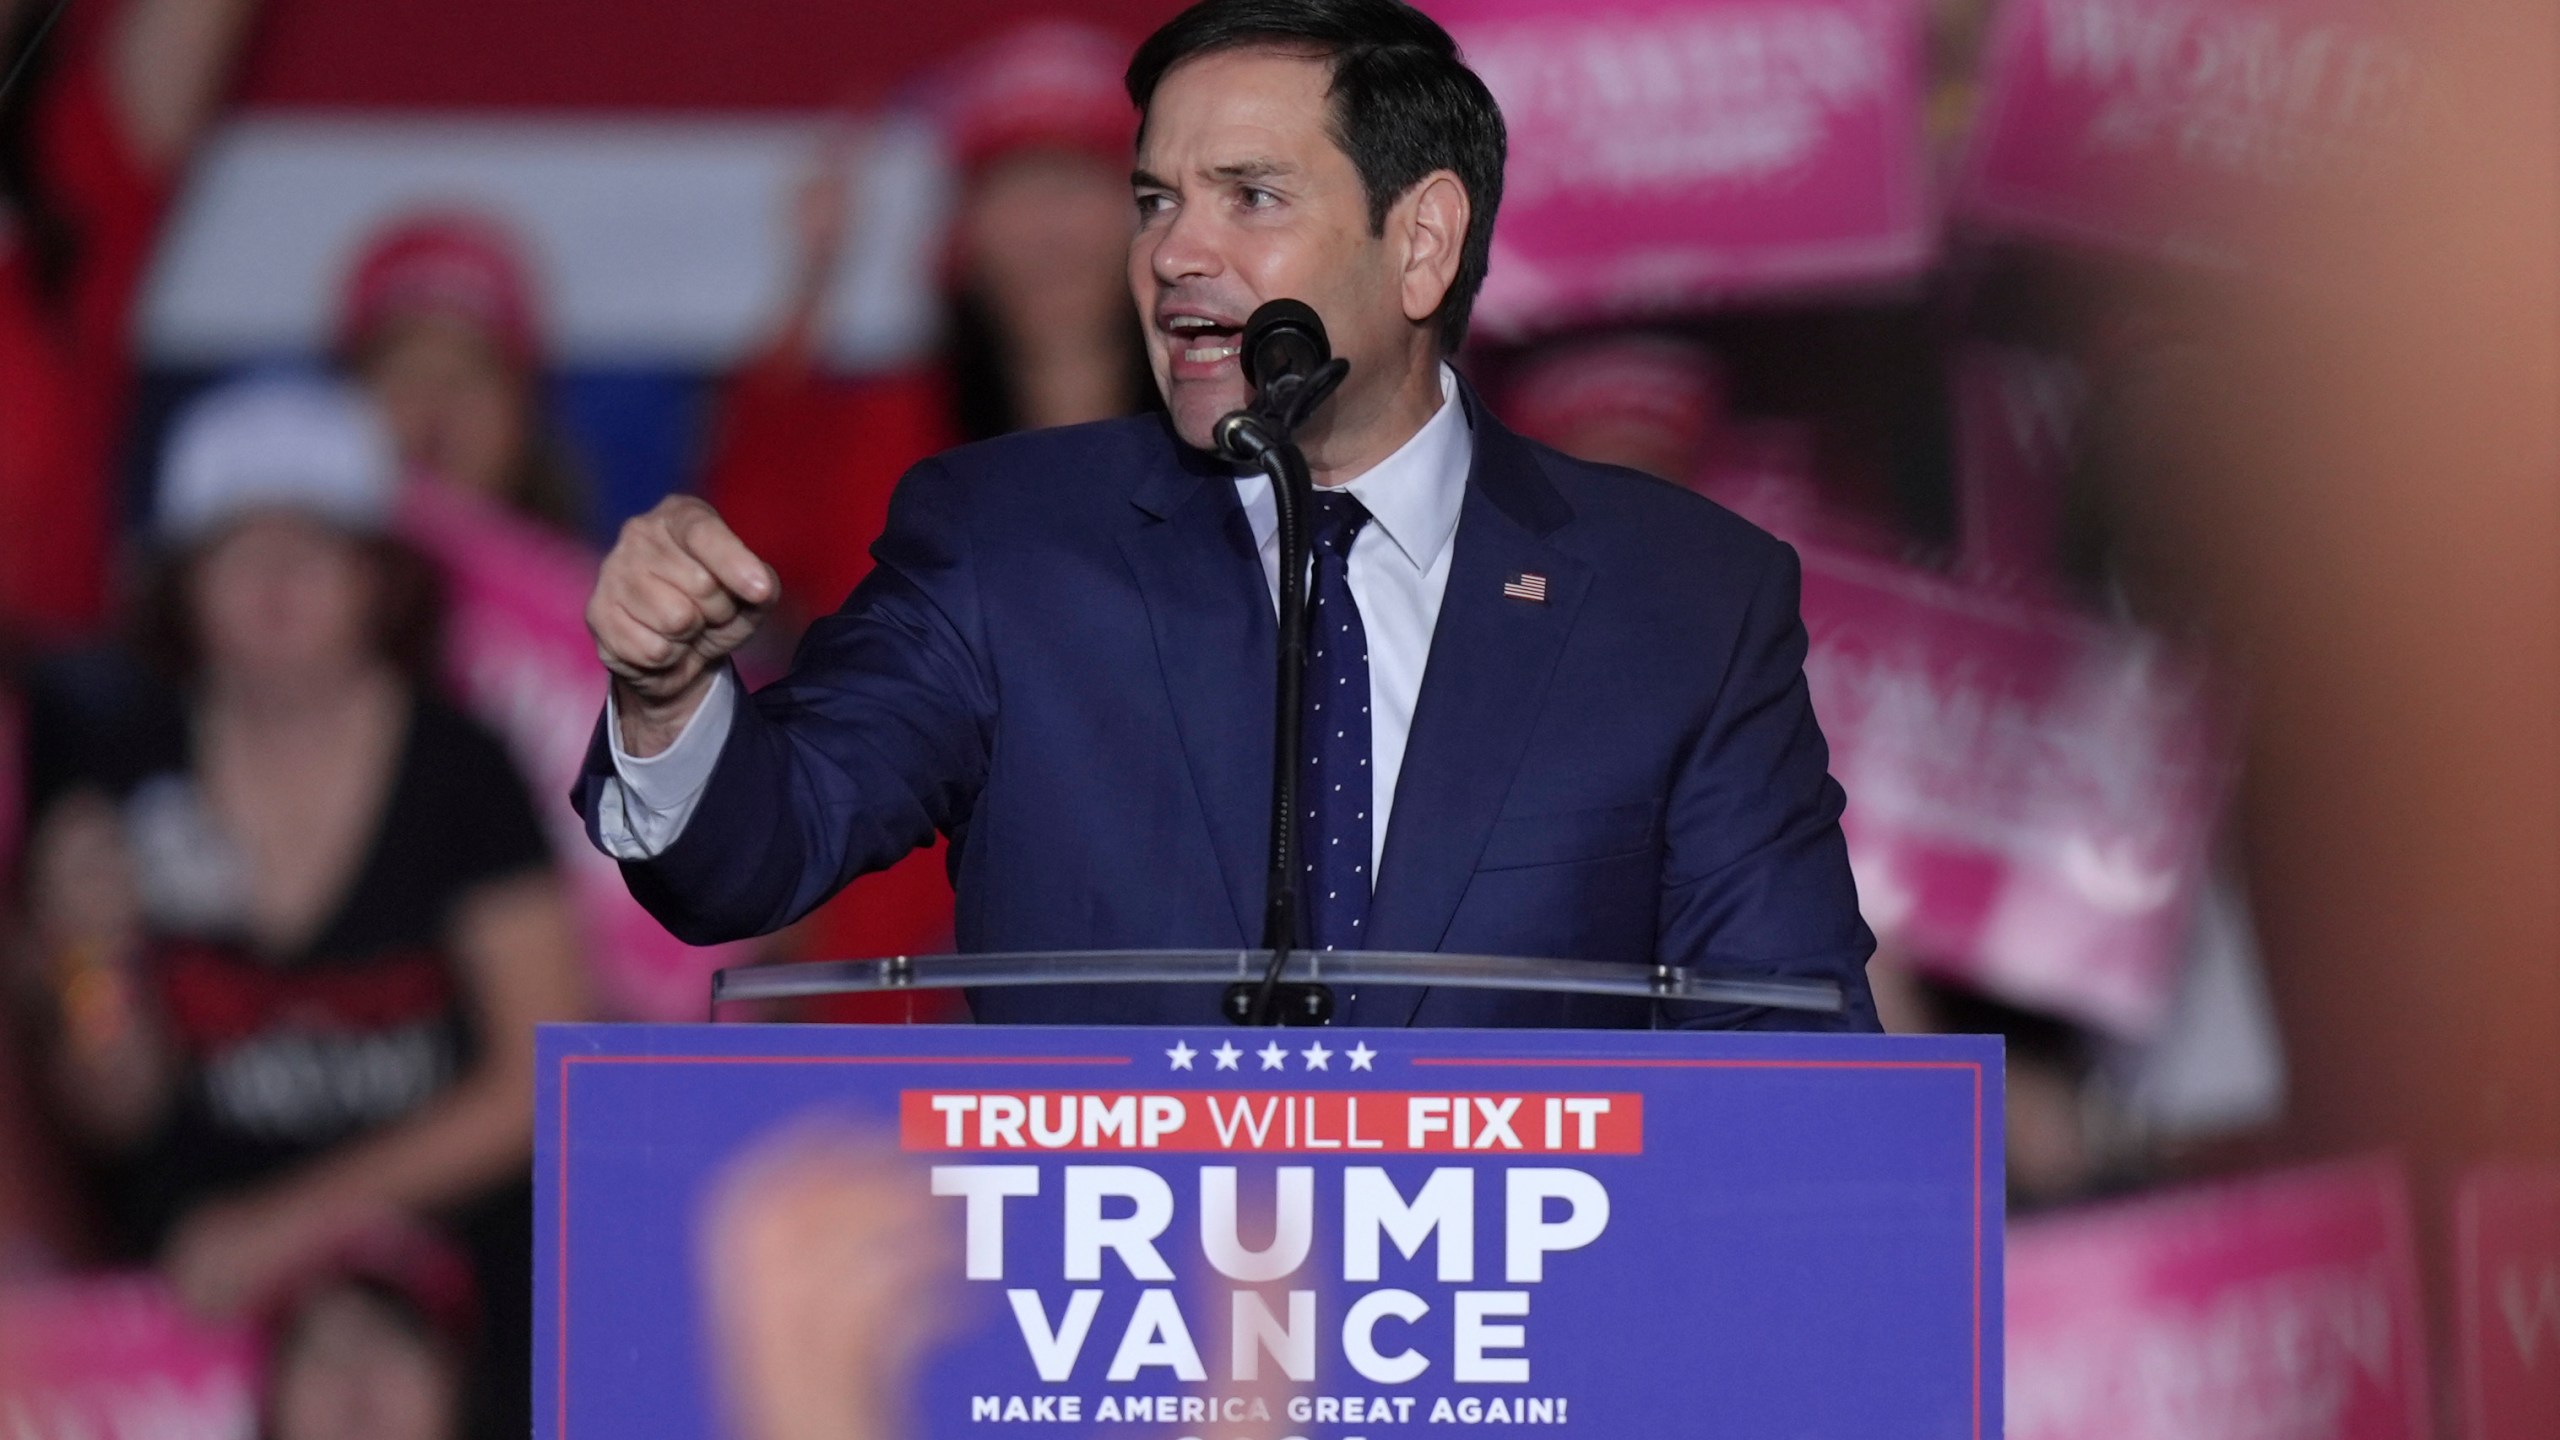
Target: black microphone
<point x="1290" y="364"/>
<point x="1283" y="338"/>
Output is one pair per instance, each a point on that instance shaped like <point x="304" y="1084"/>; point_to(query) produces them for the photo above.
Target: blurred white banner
<point x="659" y="240"/>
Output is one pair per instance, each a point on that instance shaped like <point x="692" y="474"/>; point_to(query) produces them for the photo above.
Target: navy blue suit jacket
<point x="1063" y="660"/>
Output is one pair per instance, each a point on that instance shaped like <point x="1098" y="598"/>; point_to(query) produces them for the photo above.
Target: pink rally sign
<point x="114" y="1358"/>
<point x="2280" y="1306"/>
<point x="2016" y="413"/>
<point x="2507" y="1274"/>
<point x="2170" y="127"/>
<point x="2032" y="794"/>
<point x="1665" y="152"/>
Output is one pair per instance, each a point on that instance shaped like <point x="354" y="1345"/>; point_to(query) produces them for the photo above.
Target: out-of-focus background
<point x="2164" y="396"/>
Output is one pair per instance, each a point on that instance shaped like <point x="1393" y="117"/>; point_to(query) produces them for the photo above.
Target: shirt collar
<point x="1413" y="495"/>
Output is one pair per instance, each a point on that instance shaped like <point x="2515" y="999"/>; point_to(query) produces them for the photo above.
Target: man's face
<point x="1243" y="197"/>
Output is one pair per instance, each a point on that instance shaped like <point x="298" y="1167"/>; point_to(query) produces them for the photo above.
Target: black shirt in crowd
<point x="285" y="1055"/>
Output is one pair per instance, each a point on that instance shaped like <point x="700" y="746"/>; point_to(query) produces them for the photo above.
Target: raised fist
<point x="678" y="592"/>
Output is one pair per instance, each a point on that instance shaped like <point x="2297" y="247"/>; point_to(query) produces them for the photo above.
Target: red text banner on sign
<point x="1384" y="1122"/>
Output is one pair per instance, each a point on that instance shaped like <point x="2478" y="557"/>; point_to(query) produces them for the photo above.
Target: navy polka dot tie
<point x="1334" y="777"/>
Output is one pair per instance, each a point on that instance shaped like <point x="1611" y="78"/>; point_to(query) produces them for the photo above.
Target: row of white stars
<point x="1272" y="1055"/>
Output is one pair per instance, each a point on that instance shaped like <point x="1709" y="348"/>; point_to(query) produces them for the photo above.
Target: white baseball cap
<point x="290" y="442"/>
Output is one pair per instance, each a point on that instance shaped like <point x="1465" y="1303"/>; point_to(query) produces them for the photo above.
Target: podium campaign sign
<point x="991" y="1232"/>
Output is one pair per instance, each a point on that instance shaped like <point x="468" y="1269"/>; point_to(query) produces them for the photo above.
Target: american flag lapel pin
<point x="1526" y="586"/>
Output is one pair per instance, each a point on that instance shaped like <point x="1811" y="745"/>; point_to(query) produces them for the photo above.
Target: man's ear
<point x="1434" y="214"/>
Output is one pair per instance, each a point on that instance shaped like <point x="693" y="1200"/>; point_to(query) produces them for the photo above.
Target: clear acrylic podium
<point x="1303" y="971"/>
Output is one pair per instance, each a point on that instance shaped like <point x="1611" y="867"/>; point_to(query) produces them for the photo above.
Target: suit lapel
<point x="1210" y="608"/>
<point x="1492" y="656"/>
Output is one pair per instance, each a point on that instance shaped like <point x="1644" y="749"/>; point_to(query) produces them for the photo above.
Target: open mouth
<point x="1202" y="339"/>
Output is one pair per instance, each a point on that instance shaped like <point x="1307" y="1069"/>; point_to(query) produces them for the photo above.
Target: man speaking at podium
<point x="1553" y="709"/>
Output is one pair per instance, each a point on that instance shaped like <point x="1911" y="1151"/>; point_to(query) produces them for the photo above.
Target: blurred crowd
<point x="2213" y="592"/>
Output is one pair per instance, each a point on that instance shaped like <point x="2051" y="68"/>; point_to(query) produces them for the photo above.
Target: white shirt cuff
<point x="644" y="807"/>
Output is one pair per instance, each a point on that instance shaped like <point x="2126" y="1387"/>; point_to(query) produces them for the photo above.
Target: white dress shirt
<point x="1399" y="571"/>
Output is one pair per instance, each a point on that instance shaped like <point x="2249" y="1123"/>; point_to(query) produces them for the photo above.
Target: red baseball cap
<point x="460" y="263"/>
<point x="1050" y="84"/>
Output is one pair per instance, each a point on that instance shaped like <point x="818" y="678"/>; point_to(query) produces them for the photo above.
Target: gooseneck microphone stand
<point x="1289" y="361"/>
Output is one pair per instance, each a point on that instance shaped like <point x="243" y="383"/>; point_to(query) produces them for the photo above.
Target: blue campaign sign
<point x="978" y="1233"/>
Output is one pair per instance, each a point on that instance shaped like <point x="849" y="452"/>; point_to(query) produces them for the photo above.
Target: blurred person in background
<point x="94" y="131"/>
<point x="1659" y="399"/>
<point x="100" y="106"/>
<point x="1648" y="400"/>
<point x="440" y="320"/>
<point x="2350" y="472"/>
<point x="373" y="1345"/>
<point x="1037" y="331"/>
<point x="39" y="1215"/>
<point x="296" y="936"/>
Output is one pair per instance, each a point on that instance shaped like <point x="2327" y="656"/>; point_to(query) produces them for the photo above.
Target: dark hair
<point x="984" y="403"/>
<point x="1404" y="105"/>
<point x="408" y="613"/>
<point x="547" y="483"/>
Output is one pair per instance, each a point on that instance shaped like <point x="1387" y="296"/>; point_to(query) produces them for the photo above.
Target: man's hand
<point x="678" y="592"/>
